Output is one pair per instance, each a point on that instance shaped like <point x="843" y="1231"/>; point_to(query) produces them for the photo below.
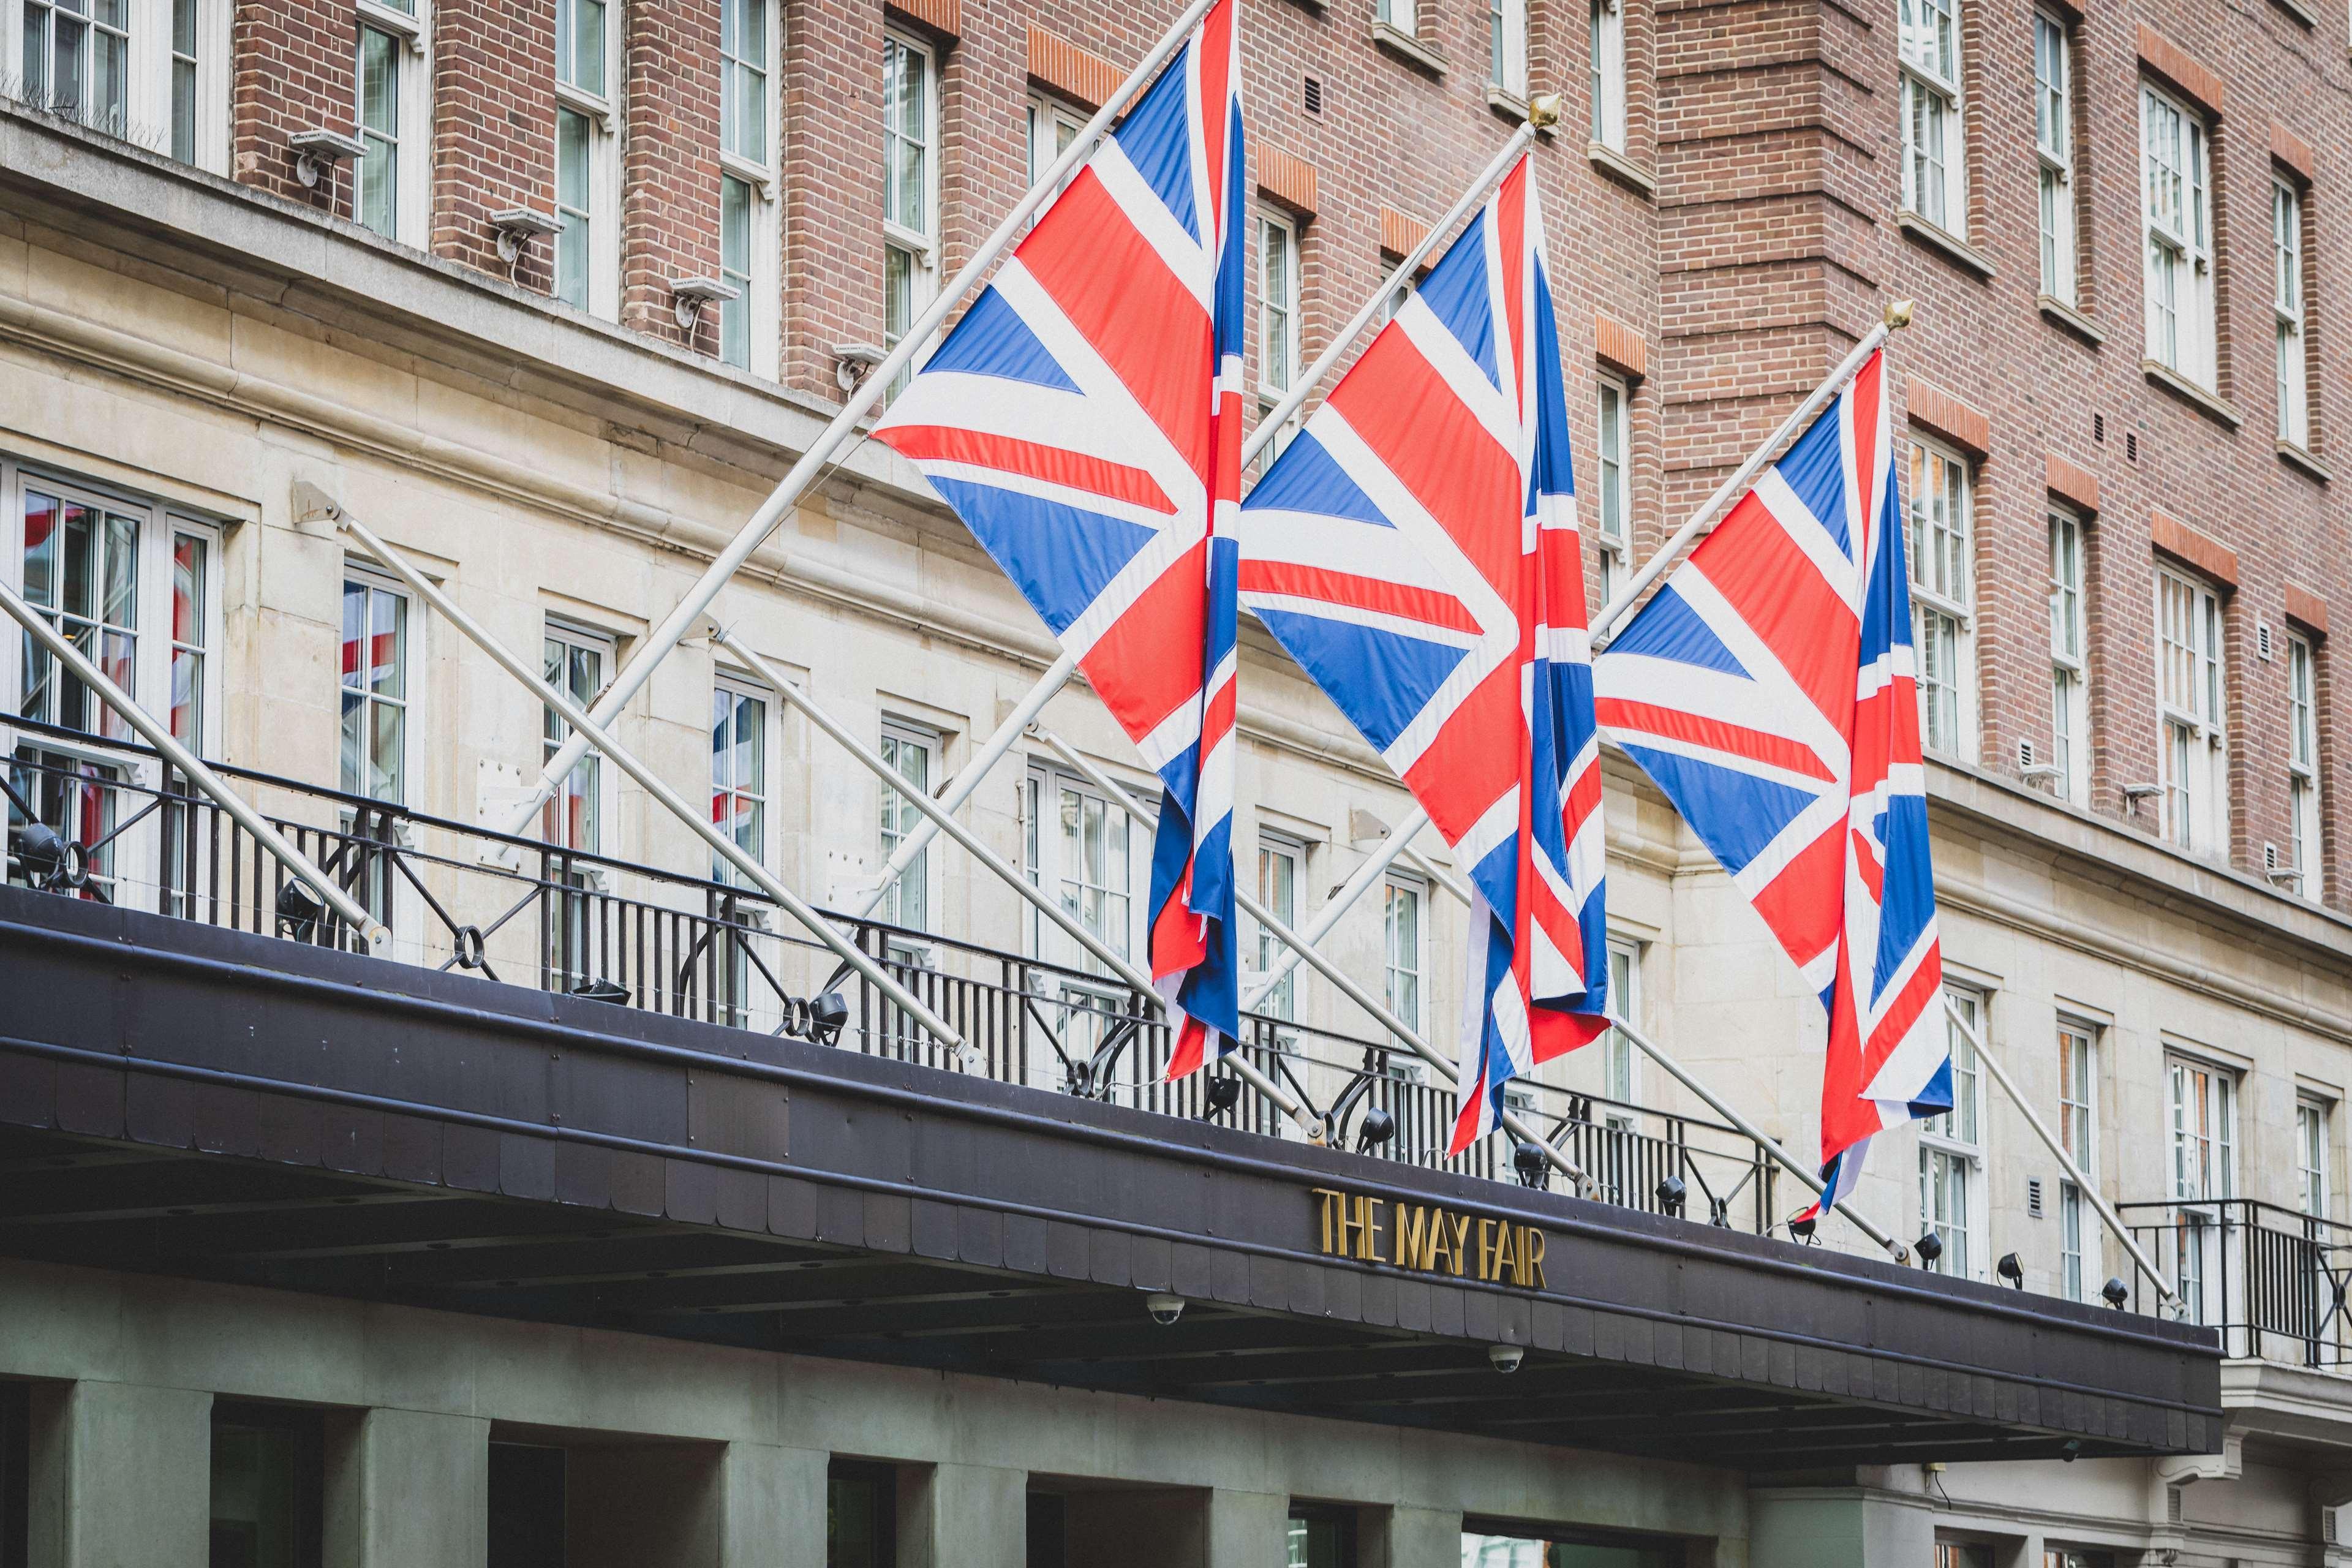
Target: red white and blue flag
<point x="1769" y="687"/>
<point x="1416" y="549"/>
<point x="1084" y="419"/>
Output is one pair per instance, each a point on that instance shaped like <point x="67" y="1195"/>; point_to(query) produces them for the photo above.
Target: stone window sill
<point x="1950" y="247"/>
<point x="2062" y="314"/>
<point x="1621" y="168"/>
<point x="1408" y="48"/>
<point x="2297" y="457"/>
<point x="2206" y="402"/>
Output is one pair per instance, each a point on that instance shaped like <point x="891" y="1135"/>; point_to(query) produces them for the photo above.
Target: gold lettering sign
<point x="1430" y="1239"/>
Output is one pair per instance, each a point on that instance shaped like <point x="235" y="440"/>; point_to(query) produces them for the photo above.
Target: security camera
<point x="1164" y="1309"/>
<point x="1506" y="1358"/>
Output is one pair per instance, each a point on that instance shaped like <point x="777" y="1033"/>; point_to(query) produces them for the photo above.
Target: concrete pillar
<point x="962" y="1516"/>
<point x="1810" y="1527"/>
<point x="775" y="1507"/>
<point x="121" y="1475"/>
<point x="1247" y="1530"/>
<point x="408" y="1488"/>
<point x="1408" y="1538"/>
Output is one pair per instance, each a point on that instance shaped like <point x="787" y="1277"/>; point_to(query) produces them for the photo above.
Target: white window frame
<point x="1933" y="110"/>
<point x="2202" y="1170"/>
<point x="1401" y="15"/>
<point x="2177" y="236"/>
<point x="2192" y="735"/>
<point x="361" y="575"/>
<point x="161" y="524"/>
<point x="738" y="689"/>
<point x="2081" y="1252"/>
<point x="900" y="736"/>
<point x="1277" y="374"/>
<point x="1266" y="950"/>
<point x="1612" y="497"/>
<point x="412" y="32"/>
<point x="1605" y="40"/>
<point x="2314" y="1147"/>
<point x="2053" y="136"/>
<point x="2070" y="663"/>
<point x="1506" y="47"/>
<point x="573" y="634"/>
<point x="2289" y="278"/>
<point x="1397" y="888"/>
<point x="919" y="245"/>
<point x="1621" y="1062"/>
<point x="150" y="55"/>
<point x="759" y="306"/>
<point x="1952" y="1151"/>
<point x="1941" y="544"/>
<point x="2306" y="846"/>
<point x="601" y="110"/>
<point x="1041" y="112"/>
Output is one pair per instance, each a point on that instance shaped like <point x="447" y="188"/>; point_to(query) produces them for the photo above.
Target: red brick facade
<point x="1769" y="243"/>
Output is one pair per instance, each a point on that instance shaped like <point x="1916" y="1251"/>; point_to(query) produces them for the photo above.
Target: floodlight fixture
<point x="1374" y="1132"/>
<point x="1527" y="1159"/>
<point x="298" y="909"/>
<point x="1671" y="1192"/>
<point x="1930" y="1246"/>
<point x="2011" y="1268"/>
<point x="2116" y="1293"/>
<point x="601" y="990"/>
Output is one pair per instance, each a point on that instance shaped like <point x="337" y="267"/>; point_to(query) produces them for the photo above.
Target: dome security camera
<point x="1164" y="1309"/>
<point x="1506" y="1358"/>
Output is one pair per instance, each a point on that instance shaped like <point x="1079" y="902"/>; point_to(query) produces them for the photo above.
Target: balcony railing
<point x="524" y="913"/>
<point x="2271" y="1280"/>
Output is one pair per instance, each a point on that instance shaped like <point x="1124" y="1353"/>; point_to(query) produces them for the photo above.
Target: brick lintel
<point x="2185" y="545"/>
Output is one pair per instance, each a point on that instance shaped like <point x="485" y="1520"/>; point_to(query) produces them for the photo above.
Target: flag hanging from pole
<point x="1769" y="689"/>
<point x="1416" y="549"/>
<point x="1084" y="419"/>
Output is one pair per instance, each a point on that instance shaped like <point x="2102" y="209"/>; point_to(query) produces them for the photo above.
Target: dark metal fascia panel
<point x="554" y="1099"/>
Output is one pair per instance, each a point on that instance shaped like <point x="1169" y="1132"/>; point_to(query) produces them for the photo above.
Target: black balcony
<point x="2270" y="1279"/>
<point x="526" y="913"/>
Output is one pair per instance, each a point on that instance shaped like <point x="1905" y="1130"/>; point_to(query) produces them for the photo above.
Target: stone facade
<point x="209" y="342"/>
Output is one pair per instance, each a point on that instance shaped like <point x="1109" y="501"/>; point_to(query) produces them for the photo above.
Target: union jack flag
<point x="1416" y="549"/>
<point x="1769" y="687"/>
<point x="1084" y="419"/>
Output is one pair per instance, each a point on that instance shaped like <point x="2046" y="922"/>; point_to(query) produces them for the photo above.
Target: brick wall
<point x="1768" y="246"/>
<point x="493" y="129"/>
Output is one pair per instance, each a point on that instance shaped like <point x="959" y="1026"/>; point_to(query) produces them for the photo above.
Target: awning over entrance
<point x="184" y="1099"/>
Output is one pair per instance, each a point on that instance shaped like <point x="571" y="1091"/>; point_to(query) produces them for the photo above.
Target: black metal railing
<point x="2270" y="1279"/>
<point x="112" y="823"/>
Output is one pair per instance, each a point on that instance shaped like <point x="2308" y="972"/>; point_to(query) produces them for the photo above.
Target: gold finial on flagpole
<point x="1898" y="314"/>
<point x="1543" y="111"/>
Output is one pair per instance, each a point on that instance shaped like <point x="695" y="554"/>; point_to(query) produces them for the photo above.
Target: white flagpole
<point x="1541" y="113"/>
<point x="747" y="865"/>
<point x="2082" y="1184"/>
<point x="938" y="814"/>
<point x="804" y="473"/>
<point x="1897" y="317"/>
<point x="159" y="735"/>
<point x="1347" y="987"/>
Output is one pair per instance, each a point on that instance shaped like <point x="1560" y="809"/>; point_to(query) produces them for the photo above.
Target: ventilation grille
<point x="2034" y="1196"/>
<point x="2131" y="445"/>
<point x="2025" y="754"/>
<point x="2172" y="1505"/>
<point x="2270" y="857"/>
<point x="2328" y="1525"/>
<point x="2262" y="640"/>
<point x="1313" y="95"/>
<point x="2098" y="427"/>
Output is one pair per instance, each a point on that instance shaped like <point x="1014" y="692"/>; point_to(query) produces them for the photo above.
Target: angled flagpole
<point x="1541" y="112"/>
<point x="937" y="813"/>
<point x="2082" y="1184"/>
<point x="1347" y="987"/>
<point x="159" y="735"/>
<point x="1897" y="317"/>
<point x="314" y="503"/>
<point x="804" y="473"/>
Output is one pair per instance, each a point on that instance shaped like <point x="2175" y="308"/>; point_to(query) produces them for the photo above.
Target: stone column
<point x="962" y="1516"/>
<point x="1247" y="1530"/>
<point x="775" y="1507"/>
<point x="121" y="1475"/>
<point x="408" y="1489"/>
<point x="1409" y="1538"/>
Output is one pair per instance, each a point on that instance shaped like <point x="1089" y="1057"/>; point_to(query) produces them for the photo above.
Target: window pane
<point x="379" y="131"/>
